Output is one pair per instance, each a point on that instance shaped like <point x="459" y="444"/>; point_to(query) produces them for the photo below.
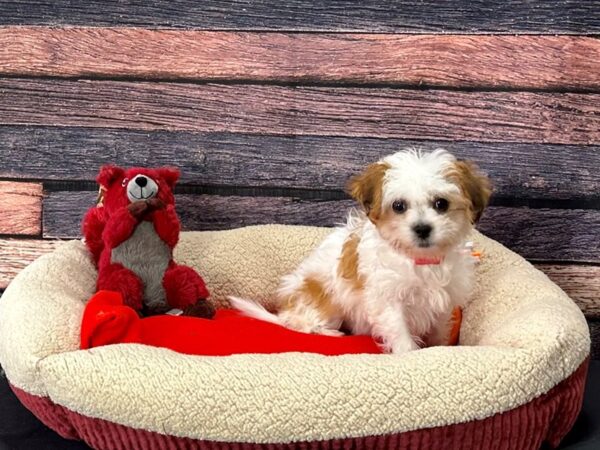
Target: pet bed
<point x="515" y="381"/>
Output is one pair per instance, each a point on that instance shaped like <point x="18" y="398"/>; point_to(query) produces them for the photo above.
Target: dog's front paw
<point x="401" y="346"/>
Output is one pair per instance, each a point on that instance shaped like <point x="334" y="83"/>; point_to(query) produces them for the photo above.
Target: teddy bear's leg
<point x="116" y="277"/>
<point x="184" y="288"/>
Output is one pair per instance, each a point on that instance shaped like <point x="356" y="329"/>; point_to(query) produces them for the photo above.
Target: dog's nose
<point x="141" y="181"/>
<point x="422" y="230"/>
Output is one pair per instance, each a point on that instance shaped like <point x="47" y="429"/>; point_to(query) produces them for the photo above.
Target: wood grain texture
<point x="526" y="62"/>
<point x="524" y="171"/>
<point x="16" y="254"/>
<point x="20" y="208"/>
<point x="580" y="282"/>
<point x="561" y="118"/>
<point x="406" y="16"/>
<point x="546" y="234"/>
<point x="543" y="234"/>
<point x="64" y="210"/>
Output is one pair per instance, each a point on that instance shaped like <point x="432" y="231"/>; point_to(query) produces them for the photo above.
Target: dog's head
<point x="119" y="187"/>
<point x="422" y="203"/>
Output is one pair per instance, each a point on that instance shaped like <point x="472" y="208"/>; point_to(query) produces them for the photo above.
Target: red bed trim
<point x="546" y="418"/>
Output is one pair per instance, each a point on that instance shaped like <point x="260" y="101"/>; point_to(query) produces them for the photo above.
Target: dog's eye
<point x="399" y="206"/>
<point x="124" y="182"/>
<point x="440" y="205"/>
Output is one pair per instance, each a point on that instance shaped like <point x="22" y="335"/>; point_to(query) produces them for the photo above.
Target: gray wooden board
<point x="539" y="234"/>
<point x="595" y="335"/>
<point x="406" y="16"/>
<point x="518" y="171"/>
<point x="430" y="114"/>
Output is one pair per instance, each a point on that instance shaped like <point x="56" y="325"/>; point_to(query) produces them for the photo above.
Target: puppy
<point x="398" y="267"/>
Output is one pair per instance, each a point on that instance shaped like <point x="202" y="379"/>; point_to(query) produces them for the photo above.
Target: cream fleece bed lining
<point x="520" y="337"/>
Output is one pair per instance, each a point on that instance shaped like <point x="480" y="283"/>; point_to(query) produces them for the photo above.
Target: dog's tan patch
<point x="474" y="186"/>
<point x="348" y="265"/>
<point x="312" y="293"/>
<point x="367" y="189"/>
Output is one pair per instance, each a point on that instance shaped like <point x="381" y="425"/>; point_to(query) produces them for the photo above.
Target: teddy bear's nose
<point x="141" y="181"/>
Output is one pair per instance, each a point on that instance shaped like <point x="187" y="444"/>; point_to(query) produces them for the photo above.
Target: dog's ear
<point x="475" y="186"/>
<point x="108" y="175"/>
<point x="367" y="189"/>
<point x="170" y="175"/>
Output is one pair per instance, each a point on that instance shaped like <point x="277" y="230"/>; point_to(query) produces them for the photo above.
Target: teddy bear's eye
<point x="124" y="182"/>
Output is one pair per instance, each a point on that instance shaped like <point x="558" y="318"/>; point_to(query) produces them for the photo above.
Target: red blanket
<point x="107" y="321"/>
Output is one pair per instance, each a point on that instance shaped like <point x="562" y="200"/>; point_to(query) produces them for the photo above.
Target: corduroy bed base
<point x="548" y="418"/>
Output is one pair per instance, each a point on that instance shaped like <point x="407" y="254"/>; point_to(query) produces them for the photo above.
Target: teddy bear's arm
<point x="167" y="225"/>
<point x="119" y="228"/>
<point x="93" y="225"/>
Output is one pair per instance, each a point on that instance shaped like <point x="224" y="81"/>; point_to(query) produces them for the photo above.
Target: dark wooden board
<point x="63" y="212"/>
<point x="524" y="62"/>
<point x="595" y="335"/>
<point x="562" y="118"/>
<point x="546" y="234"/>
<point x="20" y="208"/>
<point x="522" y="171"/>
<point x="406" y="16"/>
<point x="542" y="234"/>
<point x="580" y="282"/>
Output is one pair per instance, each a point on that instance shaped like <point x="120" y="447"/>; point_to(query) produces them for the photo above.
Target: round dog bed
<point x="515" y="381"/>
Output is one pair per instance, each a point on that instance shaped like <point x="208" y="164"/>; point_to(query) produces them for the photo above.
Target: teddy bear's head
<point x="119" y="187"/>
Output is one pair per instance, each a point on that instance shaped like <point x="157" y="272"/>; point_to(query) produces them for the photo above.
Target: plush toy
<point x="131" y="233"/>
<point x="106" y="320"/>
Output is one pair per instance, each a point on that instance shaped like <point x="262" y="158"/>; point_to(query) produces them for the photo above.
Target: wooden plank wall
<point x="268" y="107"/>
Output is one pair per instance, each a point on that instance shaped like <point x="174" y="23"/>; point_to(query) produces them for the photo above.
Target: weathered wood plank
<point x="543" y="234"/>
<point x="561" y="118"/>
<point x="526" y="62"/>
<point x="64" y="210"/>
<point x="546" y="234"/>
<point x="581" y="283"/>
<point x="20" y="208"/>
<point x="16" y="254"/>
<point x="406" y="16"/>
<point x="525" y="171"/>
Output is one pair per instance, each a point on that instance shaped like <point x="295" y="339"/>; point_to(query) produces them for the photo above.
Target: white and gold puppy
<point x="398" y="267"/>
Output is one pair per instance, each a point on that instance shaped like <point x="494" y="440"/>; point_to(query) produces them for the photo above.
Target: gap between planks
<point x="558" y="118"/>
<point x="493" y="62"/>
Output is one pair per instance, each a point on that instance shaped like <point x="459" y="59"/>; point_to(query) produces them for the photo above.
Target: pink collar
<point x="427" y="261"/>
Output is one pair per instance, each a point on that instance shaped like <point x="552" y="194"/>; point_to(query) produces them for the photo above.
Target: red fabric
<point x="114" y="220"/>
<point x="107" y="321"/>
<point x="547" y="418"/>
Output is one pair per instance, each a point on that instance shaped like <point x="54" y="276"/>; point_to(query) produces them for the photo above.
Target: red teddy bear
<point x="132" y="232"/>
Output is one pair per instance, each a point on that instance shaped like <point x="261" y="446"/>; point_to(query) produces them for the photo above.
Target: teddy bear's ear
<point x="108" y="175"/>
<point x="170" y="175"/>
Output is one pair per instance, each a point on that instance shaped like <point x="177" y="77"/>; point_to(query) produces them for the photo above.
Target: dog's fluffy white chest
<point x="393" y="282"/>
